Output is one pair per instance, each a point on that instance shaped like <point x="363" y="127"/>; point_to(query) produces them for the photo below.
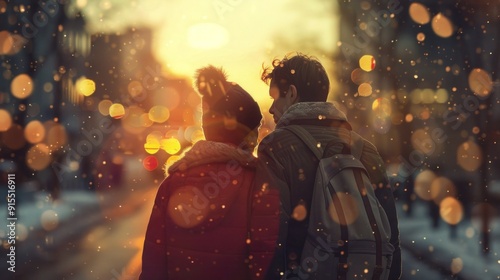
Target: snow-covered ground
<point x="459" y="257"/>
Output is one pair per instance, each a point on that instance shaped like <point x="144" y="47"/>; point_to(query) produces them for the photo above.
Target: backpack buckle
<point x="377" y="271"/>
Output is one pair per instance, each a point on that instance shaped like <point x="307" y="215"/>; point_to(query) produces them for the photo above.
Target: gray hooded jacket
<point x="291" y="167"/>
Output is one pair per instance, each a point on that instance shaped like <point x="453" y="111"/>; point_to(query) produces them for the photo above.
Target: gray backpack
<point x="348" y="233"/>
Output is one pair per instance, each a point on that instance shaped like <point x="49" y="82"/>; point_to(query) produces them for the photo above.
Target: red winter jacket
<point x="203" y="226"/>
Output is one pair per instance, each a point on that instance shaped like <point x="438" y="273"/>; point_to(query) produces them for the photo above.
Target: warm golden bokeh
<point x="6" y="42"/>
<point x="49" y="220"/>
<point x="116" y="111"/>
<point x="442" y="26"/>
<point x="5" y="120"/>
<point x="132" y="122"/>
<point x="451" y="210"/>
<point x="170" y="145"/>
<point x="152" y="146"/>
<point x="422" y="141"/>
<point x="22" y="86"/>
<point x="184" y="211"/>
<point x="382" y="107"/>
<point x="419" y="13"/>
<point x="299" y="212"/>
<point x="469" y="156"/>
<point x="104" y="106"/>
<point x="159" y="114"/>
<point x="367" y="62"/>
<point x="85" y="86"/>
<point x="423" y="183"/>
<point x="56" y="137"/>
<point x="38" y="157"/>
<point x="441" y="188"/>
<point x="456" y="266"/>
<point x="347" y="202"/>
<point x="34" y="132"/>
<point x="480" y="82"/>
<point x="365" y="89"/>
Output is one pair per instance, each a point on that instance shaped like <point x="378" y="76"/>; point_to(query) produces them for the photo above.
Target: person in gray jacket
<point x="299" y="87"/>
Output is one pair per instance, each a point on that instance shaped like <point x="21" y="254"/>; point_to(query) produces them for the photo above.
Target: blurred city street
<point x="107" y="243"/>
<point x="110" y="250"/>
<point x="97" y="97"/>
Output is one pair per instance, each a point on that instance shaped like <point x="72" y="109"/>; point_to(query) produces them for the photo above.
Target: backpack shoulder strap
<point x="307" y="138"/>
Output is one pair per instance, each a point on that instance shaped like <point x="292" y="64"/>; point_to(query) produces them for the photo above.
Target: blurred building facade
<point x="420" y="80"/>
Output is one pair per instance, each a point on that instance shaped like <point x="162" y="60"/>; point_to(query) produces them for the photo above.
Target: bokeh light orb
<point x="6" y="42"/>
<point x="358" y="76"/>
<point x="365" y="89"/>
<point x="168" y="97"/>
<point x="158" y="135"/>
<point x="132" y="122"/>
<point x="421" y="37"/>
<point x="150" y="163"/>
<point x="367" y="62"/>
<point x="49" y="219"/>
<point x="104" y="106"/>
<point x="145" y="120"/>
<point x="451" y="210"/>
<point x="159" y="114"/>
<point x="347" y="202"/>
<point x="85" y="86"/>
<point x="480" y="82"/>
<point x="469" y="156"/>
<point x="423" y="183"/>
<point x="183" y="201"/>
<point x="135" y="89"/>
<point x="34" y="132"/>
<point x="171" y="146"/>
<point x="5" y="120"/>
<point x="456" y="266"/>
<point x="442" y="26"/>
<point x="152" y="146"/>
<point x="381" y="124"/>
<point x="57" y="136"/>
<point x="299" y="212"/>
<point x="116" y="111"/>
<point x="441" y="188"/>
<point x="21" y="86"/>
<point x="422" y="141"/>
<point x="382" y="107"/>
<point x="38" y="157"/>
<point x="419" y="13"/>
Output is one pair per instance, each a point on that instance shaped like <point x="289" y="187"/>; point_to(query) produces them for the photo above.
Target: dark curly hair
<point x="304" y="72"/>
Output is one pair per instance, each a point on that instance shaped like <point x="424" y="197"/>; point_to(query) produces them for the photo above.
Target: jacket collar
<point x="311" y="111"/>
<point x="204" y="152"/>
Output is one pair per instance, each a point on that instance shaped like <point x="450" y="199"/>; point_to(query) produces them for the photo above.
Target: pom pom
<point x="211" y="82"/>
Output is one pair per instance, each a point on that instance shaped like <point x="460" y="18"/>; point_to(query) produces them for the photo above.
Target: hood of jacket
<point x="311" y="111"/>
<point x="200" y="202"/>
<point x="203" y="152"/>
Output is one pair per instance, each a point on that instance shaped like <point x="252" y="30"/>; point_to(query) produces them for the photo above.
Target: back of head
<point x="230" y="114"/>
<point x="304" y="72"/>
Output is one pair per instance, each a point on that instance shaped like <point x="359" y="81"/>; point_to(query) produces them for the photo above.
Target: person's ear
<point x="292" y="94"/>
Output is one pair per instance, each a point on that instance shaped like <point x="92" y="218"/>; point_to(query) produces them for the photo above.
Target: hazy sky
<point x="239" y="35"/>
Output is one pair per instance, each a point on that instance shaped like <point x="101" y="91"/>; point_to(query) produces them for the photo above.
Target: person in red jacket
<point x="209" y="221"/>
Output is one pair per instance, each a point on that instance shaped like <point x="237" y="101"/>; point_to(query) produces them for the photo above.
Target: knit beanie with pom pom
<point x="230" y="114"/>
